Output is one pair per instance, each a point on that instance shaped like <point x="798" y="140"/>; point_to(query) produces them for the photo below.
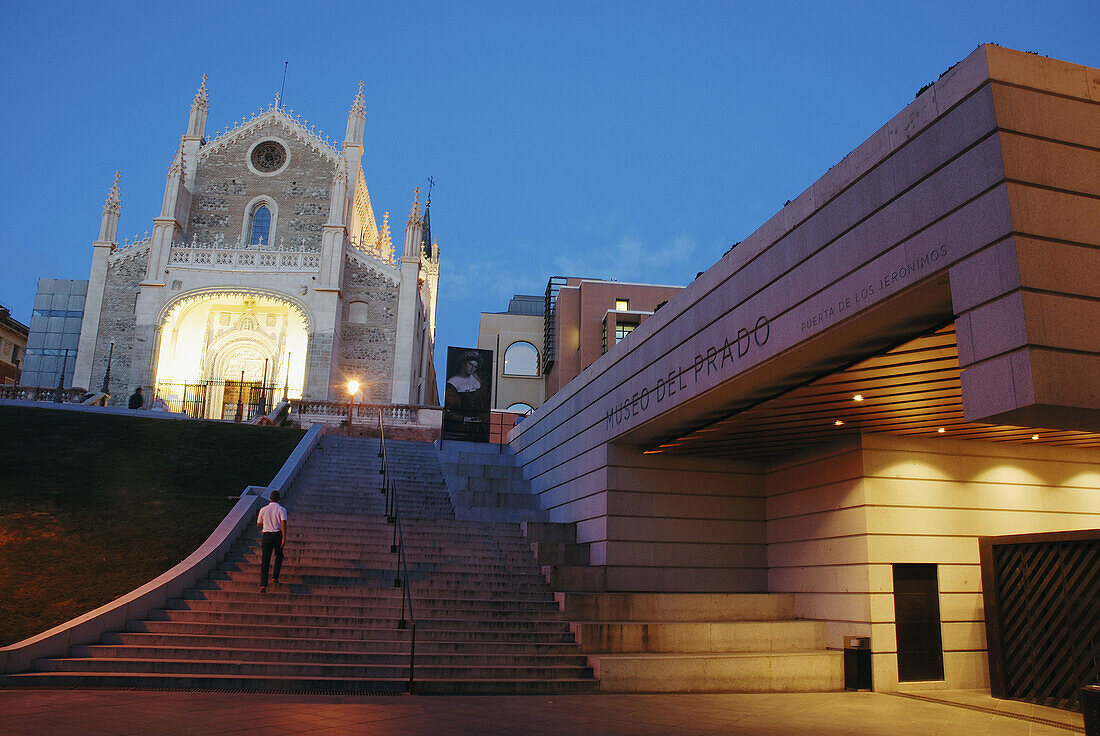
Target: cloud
<point x="633" y="260"/>
<point x="488" y="282"/>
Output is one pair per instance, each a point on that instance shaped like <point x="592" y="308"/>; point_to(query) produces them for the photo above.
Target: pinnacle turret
<point x="357" y="117"/>
<point x="176" y="169"/>
<point x="200" y="106"/>
<point x="414" y="213"/>
<point x="114" y="200"/>
<point x="384" y="237"/>
<point x="108" y="225"/>
<point x="201" y="99"/>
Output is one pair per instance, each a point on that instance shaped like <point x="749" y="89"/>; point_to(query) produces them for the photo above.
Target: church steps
<point x="417" y="568"/>
<point x="385" y="596"/>
<point x="375" y="609"/>
<point x="340" y="575"/>
<point x="304" y="554"/>
<point x="201" y="667"/>
<point x="549" y="621"/>
<point x="360" y="646"/>
<point x="379" y="584"/>
<point x="247" y="622"/>
<point x="324" y="655"/>
<point x="486" y="620"/>
<point x="533" y="634"/>
<point x="448" y="686"/>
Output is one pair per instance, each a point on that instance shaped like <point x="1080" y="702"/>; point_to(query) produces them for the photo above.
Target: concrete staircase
<point x="485" y="483"/>
<point x="701" y="642"/>
<point x="486" y="620"/>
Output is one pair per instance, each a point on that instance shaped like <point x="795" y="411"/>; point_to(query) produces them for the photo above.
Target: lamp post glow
<point x="353" y="387"/>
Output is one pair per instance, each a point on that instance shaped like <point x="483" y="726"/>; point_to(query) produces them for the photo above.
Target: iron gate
<point x="1042" y="612"/>
<point x="231" y="400"/>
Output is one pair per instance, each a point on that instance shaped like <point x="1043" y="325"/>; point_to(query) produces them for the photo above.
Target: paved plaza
<point x="125" y="712"/>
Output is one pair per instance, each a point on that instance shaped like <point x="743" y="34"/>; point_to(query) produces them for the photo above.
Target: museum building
<point x="266" y="265"/>
<point x="892" y="379"/>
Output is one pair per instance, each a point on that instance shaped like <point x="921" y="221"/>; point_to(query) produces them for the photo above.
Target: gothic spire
<point x="358" y="105"/>
<point x="196" y="125"/>
<point x="384" y="237"/>
<point x="177" y="162"/>
<point x="108" y="225"/>
<point x="114" y="200"/>
<point x="414" y="213"/>
<point x="426" y="231"/>
<point x="201" y="100"/>
<point x="357" y="117"/>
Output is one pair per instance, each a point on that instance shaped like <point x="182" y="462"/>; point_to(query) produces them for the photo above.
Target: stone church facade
<point x="265" y="264"/>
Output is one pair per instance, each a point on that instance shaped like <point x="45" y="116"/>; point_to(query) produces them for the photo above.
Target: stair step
<point x="336" y="645"/>
<point x="528" y="634"/>
<point x="688" y="637"/>
<point x="805" y="671"/>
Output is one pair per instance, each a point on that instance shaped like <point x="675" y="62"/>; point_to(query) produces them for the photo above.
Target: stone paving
<point x="145" y="713"/>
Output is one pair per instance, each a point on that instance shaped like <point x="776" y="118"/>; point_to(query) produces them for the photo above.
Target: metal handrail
<point x="401" y="579"/>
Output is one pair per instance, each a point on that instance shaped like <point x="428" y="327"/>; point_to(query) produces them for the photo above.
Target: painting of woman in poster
<point x="468" y="394"/>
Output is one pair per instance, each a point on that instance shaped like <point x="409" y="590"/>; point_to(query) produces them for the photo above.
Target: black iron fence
<point x="239" y="401"/>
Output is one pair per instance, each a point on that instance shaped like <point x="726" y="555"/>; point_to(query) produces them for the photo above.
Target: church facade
<point x="266" y="264"/>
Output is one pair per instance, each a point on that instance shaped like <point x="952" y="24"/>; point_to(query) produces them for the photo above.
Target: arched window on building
<point x="521" y="359"/>
<point x="520" y="407"/>
<point x="259" y="226"/>
<point x="357" y="313"/>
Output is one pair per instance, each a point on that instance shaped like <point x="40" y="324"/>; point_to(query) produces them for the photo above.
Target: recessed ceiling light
<point x="1034" y="436"/>
<point x="941" y="430"/>
<point x="858" y="397"/>
<point x="838" y="422"/>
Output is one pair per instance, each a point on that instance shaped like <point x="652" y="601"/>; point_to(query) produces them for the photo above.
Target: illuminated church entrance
<point x="231" y="355"/>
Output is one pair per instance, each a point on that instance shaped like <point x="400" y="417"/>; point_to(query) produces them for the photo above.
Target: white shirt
<point x="272" y="516"/>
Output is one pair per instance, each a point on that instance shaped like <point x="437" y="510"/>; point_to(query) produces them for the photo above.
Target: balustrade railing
<point x="257" y="260"/>
<point x="41" y="393"/>
<point x="392" y="413"/>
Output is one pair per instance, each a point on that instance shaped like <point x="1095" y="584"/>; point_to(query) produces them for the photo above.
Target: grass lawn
<point x="92" y="505"/>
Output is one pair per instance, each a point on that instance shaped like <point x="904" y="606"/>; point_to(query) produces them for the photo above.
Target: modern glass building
<point x="54" y="332"/>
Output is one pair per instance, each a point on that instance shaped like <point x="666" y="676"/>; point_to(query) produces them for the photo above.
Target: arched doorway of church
<point x="230" y="355"/>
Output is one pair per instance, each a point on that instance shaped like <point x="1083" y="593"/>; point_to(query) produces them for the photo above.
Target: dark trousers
<point x="271" y="541"/>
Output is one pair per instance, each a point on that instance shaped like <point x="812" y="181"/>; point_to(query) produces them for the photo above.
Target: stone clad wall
<point x="686" y="524"/>
<point x="1041" y="280"/>
<point x="839" y="519"/>
<point x="117" y="323"/>
<point x="224" y="187"/>
<point x="366" y="351"/>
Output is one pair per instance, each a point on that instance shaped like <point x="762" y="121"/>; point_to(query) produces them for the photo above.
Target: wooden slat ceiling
<point x="912" y="389"/>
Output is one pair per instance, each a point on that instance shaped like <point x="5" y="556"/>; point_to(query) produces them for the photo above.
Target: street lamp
<point x="61" y="378"/>
<point x="107" y="375"/>
<point x="353" y="387"/>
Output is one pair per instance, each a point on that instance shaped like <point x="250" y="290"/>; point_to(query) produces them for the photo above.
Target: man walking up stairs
<point x="272" y="525"/>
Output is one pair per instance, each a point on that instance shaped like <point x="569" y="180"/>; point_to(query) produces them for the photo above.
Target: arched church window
<point x="260" y="226"/>
<point x="521" y="359"/>
<point x="357" y="313"/>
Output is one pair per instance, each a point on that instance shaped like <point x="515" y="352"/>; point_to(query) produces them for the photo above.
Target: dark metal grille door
<point x="1048" y="606"/>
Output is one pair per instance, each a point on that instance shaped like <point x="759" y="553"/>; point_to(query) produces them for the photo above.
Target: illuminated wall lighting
<point x="857" y="397"/>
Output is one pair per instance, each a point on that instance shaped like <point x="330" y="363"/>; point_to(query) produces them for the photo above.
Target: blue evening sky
<point x="627" y="140"/>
